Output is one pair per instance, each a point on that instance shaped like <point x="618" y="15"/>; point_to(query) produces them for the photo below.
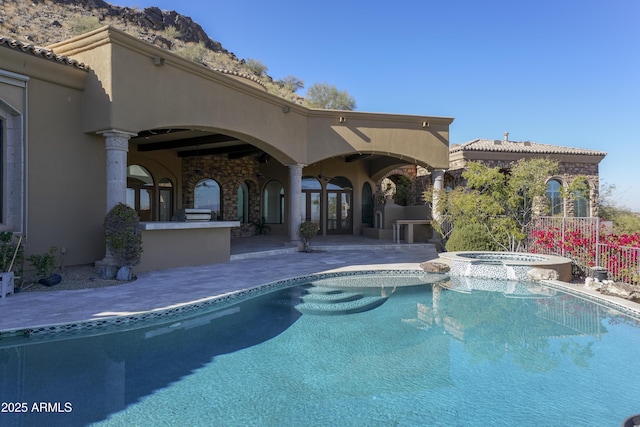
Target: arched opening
<point x="207" y="195"/>
<point x="399" y="187"/>
<point x="140" y="191"/>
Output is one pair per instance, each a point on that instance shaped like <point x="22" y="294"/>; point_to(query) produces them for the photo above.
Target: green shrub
<point x="10" y="248"/>
<point x="171" y="32"/>
<point x="84" y="24"/>
<point x="308" y="230"/>
<point x="403" y="194"/>
<point x="256" y="67"/>
<point x="123" y="235"/>
<point x="45" y="263"/>
<point x="470" y="236"/>
<point x="196" y="52"/>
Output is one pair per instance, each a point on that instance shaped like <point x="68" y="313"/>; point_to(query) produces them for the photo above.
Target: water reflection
<point x="262" y="358"/>
<point x="103" y="374"/>
<point x="494" y="318"/>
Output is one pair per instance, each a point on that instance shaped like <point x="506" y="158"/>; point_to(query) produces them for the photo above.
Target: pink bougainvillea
<point x="618" y="253"/>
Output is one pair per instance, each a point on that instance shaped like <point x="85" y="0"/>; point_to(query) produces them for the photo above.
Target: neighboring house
<point x="574" y="163"/>
<point x="105" y="118"/>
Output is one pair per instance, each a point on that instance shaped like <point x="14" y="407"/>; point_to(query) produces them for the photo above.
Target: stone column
<point x="437" y="179"/>
<point x="295" y="211"/>
<point x="117" y="145"/>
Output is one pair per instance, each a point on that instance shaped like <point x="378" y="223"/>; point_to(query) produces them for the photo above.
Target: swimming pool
<point x="427" y="352"/>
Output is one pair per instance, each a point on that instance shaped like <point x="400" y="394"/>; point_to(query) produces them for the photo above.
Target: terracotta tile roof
<point x="243" y="75"/>
<point x="497" y="145"/>
<point x="41" y="52"/>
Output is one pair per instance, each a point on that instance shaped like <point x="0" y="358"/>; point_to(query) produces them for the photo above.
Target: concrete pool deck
<point x="255" y="261"/>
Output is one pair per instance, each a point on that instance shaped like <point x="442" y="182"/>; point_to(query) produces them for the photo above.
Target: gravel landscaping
<point x="76" y="277"/>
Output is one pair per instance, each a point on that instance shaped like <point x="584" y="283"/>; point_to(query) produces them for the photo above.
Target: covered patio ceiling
<point x="193" y="142"/>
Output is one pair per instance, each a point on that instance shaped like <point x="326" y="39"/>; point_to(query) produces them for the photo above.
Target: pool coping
<point x="182" y="310"/>
<point x="142" y="319"/>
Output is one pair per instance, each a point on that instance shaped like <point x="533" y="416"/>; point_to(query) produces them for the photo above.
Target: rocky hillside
<point x="44" y="22"/>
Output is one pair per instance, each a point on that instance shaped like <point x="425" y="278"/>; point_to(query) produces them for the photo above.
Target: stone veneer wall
<point x="567" y="172"/>
<point x="229" y="173"/>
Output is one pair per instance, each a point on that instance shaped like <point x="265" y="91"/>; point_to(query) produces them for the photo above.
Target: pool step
<point x="331" y="298"/>
<point x="323" y="301"/>
<point x="321" y="290"/>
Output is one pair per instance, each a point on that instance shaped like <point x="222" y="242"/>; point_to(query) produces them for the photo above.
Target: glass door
<point x="311" y="202"/>
<point x="339" y="198"/>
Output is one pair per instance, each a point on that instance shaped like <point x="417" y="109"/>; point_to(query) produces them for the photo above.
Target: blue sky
<point x="554" y="72"/>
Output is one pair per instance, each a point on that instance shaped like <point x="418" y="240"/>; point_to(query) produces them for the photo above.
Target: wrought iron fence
<point x="622" y="262"/>
<point x="581" y="239"/>
<point x="575" y="238"/>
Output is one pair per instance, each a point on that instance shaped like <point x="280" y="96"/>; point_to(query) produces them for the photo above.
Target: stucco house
<point x="573" y="164"/>
<point x="104" y="118"/>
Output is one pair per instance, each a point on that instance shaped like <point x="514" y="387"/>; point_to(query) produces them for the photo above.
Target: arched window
<point x="140" y="192"/>
<point x="367" y="205"/>
<point x="273" y="203"/>
<point x="554" y="197"/>
<point x="165" y="208"/>
<point x="207" y="195"/>
<point x="311" y="184"/>
<point x="243" y="203"/>
<point x="580" y="197"/>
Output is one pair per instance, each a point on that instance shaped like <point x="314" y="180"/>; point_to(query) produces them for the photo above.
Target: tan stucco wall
<point x="180" y="93"/>
<point x="164" y="249"/>
<point x="66" y="179"/>
<point x="124" y="91"/>
<point x="396" y="135"/>
<point x="64" y="185"/>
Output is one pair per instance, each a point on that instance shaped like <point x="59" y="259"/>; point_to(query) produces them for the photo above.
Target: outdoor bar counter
<point x="180" y="244"/>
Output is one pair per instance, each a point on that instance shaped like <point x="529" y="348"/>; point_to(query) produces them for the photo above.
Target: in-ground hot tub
<point x="504" y="265"/>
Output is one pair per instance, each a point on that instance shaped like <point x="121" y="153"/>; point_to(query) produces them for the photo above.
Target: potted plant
<point x="123" y="238"/>
<point x="308" y="230"/>
<point x="45" y="264"/>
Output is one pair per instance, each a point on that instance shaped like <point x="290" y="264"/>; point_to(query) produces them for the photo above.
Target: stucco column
<point x="437" y="179"/>
<point x="295" y="211"/>
<point x="117" y="145"/>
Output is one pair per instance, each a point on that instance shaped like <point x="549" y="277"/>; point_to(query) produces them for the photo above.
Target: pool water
<point x="427" y="355"/>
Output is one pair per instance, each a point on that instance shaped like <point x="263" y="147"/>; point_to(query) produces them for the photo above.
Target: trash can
<point x="599" y="273"/>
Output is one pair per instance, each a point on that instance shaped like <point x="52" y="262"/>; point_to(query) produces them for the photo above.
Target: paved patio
<point x="255" y="261"/>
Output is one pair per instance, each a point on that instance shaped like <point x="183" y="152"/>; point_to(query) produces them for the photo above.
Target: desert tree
<point x="323" y="95"/>
<point x="501" y="201"/>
